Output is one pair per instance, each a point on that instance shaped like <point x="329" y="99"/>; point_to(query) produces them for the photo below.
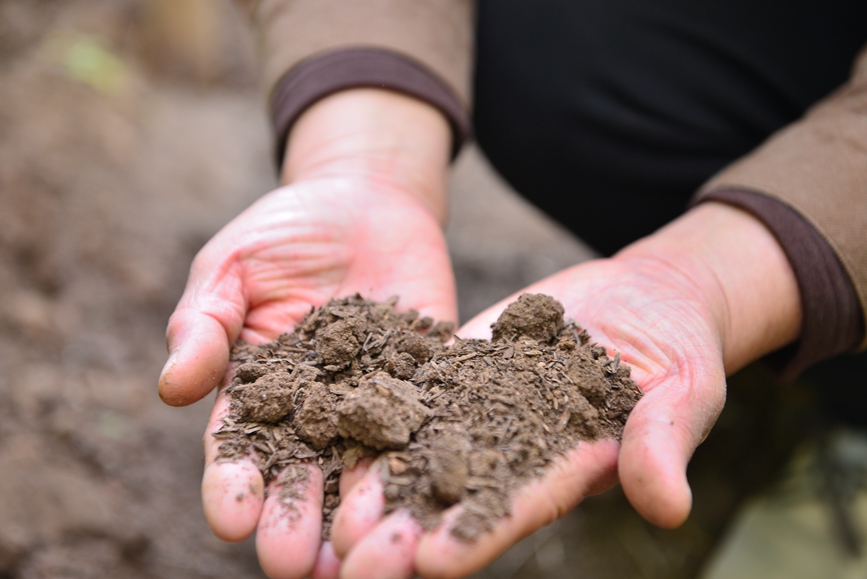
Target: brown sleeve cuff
<point x="832" y="320"/>
<point x="323" y="74"/>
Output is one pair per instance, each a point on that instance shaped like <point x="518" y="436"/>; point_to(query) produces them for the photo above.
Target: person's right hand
<point x="362" y="213"/>
<point x="703" y="296"/>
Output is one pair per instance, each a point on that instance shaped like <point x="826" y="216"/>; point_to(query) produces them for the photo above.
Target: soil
<point x="464" y="422"/>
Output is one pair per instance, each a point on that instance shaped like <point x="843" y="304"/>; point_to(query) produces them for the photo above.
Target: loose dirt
<point x="466" y="422"/>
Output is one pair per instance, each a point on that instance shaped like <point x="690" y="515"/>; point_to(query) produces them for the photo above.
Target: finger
<point x="199" y="356"/>
<point x="587" y="470"/>
<point x="480" y="326"/>
<point x="349" y="478"/>
<point x="289" y="531"/>
<point x="232" y="497"/>
<point x="202" y="328"/>
<point x="387" y="552"/>
<point x="232" y="492"/>
<point x="327" y="564"/>
<point x="662" y="432"/>
<point x="359" y="512"/>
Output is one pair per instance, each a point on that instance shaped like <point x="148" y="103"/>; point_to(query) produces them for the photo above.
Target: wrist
<point x="731" y="262"/>
<point x="382" y="137"/>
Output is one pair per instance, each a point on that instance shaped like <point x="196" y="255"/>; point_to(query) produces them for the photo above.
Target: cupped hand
<point x="646" y="313"/>
<point x="296" y="247"/>
<point x="363" y="213"/>
<point x="702" y="297"/>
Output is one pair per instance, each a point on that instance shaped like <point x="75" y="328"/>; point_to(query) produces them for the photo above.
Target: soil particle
<point x="338" y="343"/>
<point x="314" y="421"/>
<point x="268" y="399"/>
<point x="382" y="412"/>
<point x="534" y="316"/>
<point x="466" y="423"/>
<point x="416" y="346"/>
<point x="448" y="467"/>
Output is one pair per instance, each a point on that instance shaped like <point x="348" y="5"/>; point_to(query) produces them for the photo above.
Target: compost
<point x="463" y="422"/>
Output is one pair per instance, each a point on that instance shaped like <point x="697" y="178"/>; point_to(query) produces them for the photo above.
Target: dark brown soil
<point x="467" y="422"/>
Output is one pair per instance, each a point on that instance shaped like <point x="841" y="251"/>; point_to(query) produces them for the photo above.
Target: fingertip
<point x="387" y="552"/>
<point x="359" y="512"/>
<point x="164" y="384"/>
<point x="441" y="556"/>
<point x="232" y="497"/>
<point x="664" y="503"/>
<point x="197" y="363"/>
<point x="653" y="476"/>
<point x="327" y="564"/>
<point x="678" y="513"/>
<point x="350" y="477"/>
<point x="289" y="532"/>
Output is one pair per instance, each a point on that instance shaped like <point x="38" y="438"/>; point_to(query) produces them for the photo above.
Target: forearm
<point x="391" y="139"/>
<point x="736" y="265"/>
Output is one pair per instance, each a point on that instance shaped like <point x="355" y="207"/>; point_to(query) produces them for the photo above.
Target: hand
<point x="700" y="298"/>
<point x="363" y="213"/>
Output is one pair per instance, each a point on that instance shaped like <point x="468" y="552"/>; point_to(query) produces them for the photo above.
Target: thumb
<point x="662" y="433"/>
<point x="198" y="358"/>
<point x="479" y="327"/>
<point x="206" y="322"/>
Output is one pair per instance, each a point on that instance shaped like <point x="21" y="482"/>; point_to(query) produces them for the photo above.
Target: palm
<point x="646" y="312"/>
<point x="302" y="245"/>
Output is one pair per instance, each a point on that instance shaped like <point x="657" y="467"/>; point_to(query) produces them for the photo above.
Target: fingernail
<point x="169" y="363"/>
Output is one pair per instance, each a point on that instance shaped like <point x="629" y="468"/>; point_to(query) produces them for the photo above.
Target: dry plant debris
<point x="468" y="422"/>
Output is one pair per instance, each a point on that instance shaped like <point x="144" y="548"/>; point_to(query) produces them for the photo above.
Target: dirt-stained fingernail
<point x="173" y="358"/>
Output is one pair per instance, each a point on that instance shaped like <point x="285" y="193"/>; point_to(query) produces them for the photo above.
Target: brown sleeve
<point x="326" y="73"/>
<point x="817" y="168"/>
<point x="312" y="48"/>
<point x="831" y="315"/>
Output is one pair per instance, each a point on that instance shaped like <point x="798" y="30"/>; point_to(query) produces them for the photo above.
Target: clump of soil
<point x="469" y="422"/>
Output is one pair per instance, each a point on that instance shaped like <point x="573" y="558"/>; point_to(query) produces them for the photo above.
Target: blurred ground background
<point x="130" y="131"/>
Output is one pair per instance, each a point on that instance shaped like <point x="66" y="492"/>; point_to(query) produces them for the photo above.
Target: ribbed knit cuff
<point x="361" y="67"/>
<point x="831" y="313"/>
